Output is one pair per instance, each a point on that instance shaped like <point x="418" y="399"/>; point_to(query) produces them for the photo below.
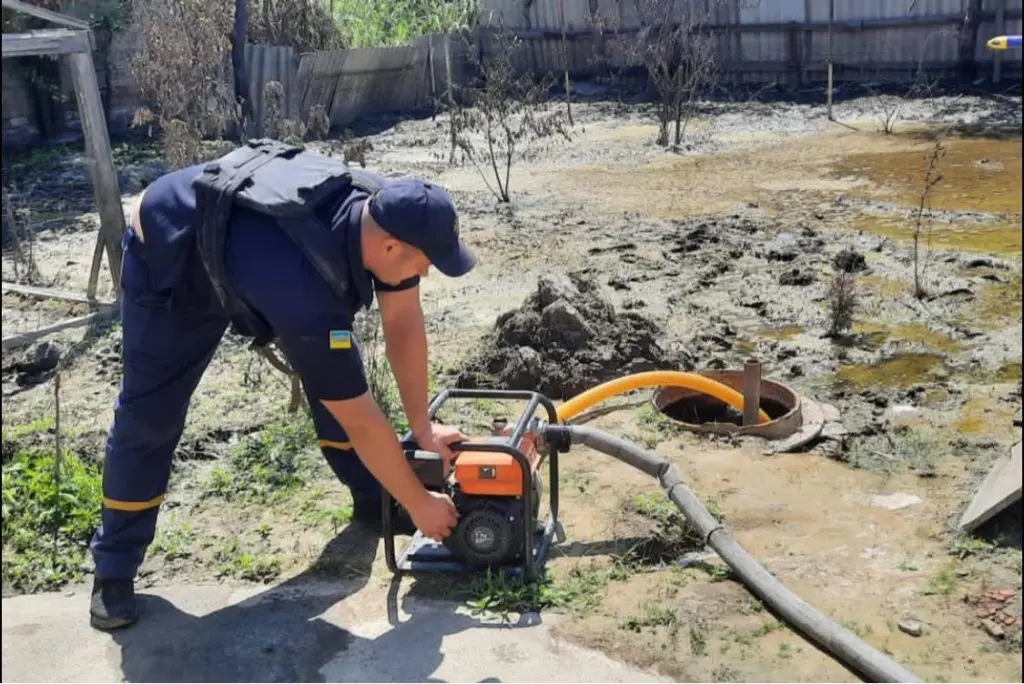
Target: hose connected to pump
<point x="693" y="381"/>
<point x="847" y="649"/>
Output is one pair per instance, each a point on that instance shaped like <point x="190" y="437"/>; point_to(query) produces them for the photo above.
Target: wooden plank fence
<point x="782" y="41"/>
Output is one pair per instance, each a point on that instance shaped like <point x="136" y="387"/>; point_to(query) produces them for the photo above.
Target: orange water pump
<point x="496" y="485"/>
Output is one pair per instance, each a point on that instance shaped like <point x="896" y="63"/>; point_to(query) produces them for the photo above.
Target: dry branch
<point x="21" y="339"/>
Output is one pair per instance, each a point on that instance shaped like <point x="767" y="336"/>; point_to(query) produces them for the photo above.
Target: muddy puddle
<point x="996" y="303"/>
<point x="896" y="371"/>
<point x="979" y="175"/>
<point x="987" y="237"/>
<point x="974" y="204"/>
<point x="874" y="334"/>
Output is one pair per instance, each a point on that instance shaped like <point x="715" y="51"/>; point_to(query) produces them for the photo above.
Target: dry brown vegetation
<point x="678" y="54"/>
<point x="183" y="69"/>
<point x="503" y="117"/>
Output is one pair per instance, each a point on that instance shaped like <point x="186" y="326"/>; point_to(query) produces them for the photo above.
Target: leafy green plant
<point x="50" y="511"/>
<point x="388" y="23"/>
<point x="497" y="593"/>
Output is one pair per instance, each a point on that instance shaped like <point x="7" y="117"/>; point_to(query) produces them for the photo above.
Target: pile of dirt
<point x="564" y="339"/>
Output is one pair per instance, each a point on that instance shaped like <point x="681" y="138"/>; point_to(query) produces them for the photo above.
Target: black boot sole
<point x="107" y="624"/>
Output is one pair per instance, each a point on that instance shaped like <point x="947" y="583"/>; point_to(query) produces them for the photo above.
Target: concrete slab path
<point x="311" y="631"/>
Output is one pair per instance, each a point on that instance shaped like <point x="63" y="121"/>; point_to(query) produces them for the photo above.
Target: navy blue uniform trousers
<point x="169" y="338"/>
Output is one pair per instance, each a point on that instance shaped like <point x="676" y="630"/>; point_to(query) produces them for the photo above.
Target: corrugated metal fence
<point x="268" y="63"/>
<point x="358" y="82"/>
<point x="765" y="40"/>
<point x="757" y="42"/>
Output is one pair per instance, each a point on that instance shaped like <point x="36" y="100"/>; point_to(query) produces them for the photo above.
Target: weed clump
<point x="269" y="464"/>
<point x="50" y="510"/>
<point x="842" y="302"/>
<point x="663" y="533"/>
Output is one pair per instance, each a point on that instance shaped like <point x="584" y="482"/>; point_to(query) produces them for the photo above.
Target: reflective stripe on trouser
<point x="346" y="464"/>
<point x="168" y="341"/>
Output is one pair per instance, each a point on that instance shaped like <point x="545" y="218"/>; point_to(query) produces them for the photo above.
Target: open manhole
<point x="700" y="412"/>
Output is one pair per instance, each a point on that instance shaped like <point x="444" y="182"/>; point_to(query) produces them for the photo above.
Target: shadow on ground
<point x="1005" y="529"/>
<point x="283" y="634"/>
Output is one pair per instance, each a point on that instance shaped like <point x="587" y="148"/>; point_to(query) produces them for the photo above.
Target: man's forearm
<point x="406" y="343"/>
<point x="378" y="447"/>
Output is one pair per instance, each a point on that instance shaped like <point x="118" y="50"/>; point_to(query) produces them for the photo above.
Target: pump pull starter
<point x="496" y="487"/>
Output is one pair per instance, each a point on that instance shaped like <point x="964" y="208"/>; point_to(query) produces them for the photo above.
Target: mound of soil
<point x="564" y="339"/>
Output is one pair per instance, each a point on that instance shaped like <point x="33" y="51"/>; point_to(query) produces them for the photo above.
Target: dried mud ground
<point x="728" y="246"/>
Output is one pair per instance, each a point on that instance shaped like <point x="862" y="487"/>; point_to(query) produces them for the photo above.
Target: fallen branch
<point x="50" y="293"/>
<point x="21" y="339"/>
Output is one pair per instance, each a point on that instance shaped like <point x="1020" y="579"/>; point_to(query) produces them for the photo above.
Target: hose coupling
<point x="549" y="435"/>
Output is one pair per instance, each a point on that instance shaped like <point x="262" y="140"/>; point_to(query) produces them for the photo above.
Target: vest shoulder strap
<point x="286" y="182"/>
<point x="272" y="177"/>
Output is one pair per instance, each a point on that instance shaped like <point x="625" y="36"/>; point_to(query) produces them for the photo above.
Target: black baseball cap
<point x="423" y="214"/>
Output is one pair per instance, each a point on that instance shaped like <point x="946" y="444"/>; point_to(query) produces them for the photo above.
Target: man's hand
<point x="439" y="438"/>
<point x="435" y="516"/>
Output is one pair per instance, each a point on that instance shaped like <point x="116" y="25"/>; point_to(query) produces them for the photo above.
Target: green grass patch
<point x="942" y="583"/>
<point x="579" y="592"/>
<point x="653" y="615"/>
<point x="270" y="465"/>
<point x="665" y="536"/>
<point x="231" y="561"/>
<point x="51" y="507"/>
<point x="174" y="542"/>
<point x="653" y="427"/>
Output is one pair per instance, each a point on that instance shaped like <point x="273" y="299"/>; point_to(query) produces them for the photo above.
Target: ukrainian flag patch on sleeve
<point x="341" y="339"/>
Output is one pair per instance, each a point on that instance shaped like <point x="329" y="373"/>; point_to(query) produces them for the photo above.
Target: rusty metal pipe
<point x="751" y="391"/>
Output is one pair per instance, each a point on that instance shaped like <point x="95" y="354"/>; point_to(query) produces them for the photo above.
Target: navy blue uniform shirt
<point x="313" y="326"/>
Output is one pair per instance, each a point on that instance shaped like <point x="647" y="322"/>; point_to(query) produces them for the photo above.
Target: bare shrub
<point x="889" y="107"/>
<point x="507" y="110"/>
<point x="318" y="125"/>
<point x="292" y="131"/>
<point x="182" y="144"/>
<point x="678" y="54"/>
<point x="354" y="149"/>
<point x="842" y="302"/>
<point x="306" y="25"/>
<point x="932" y="177"/>
<point x="273" y="103"/>
<point x="26" y="269"/>
<point x="182" y="65"/>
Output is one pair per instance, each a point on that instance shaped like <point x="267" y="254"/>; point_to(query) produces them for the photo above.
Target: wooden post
<point x="449" y="86"/>
<point x="565" y="62"/>
<point x="94" y="268"/>
<point x="831" y="14"/>
<point x="433" y="79"/>
<point x="793" y="45"/>
<point x="808" y="47"/>
<point x="997" y="58"/>
<point x="101" y="164"/>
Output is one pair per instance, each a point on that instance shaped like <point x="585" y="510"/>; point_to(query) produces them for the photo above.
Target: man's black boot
<point x="113" y="603"/>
